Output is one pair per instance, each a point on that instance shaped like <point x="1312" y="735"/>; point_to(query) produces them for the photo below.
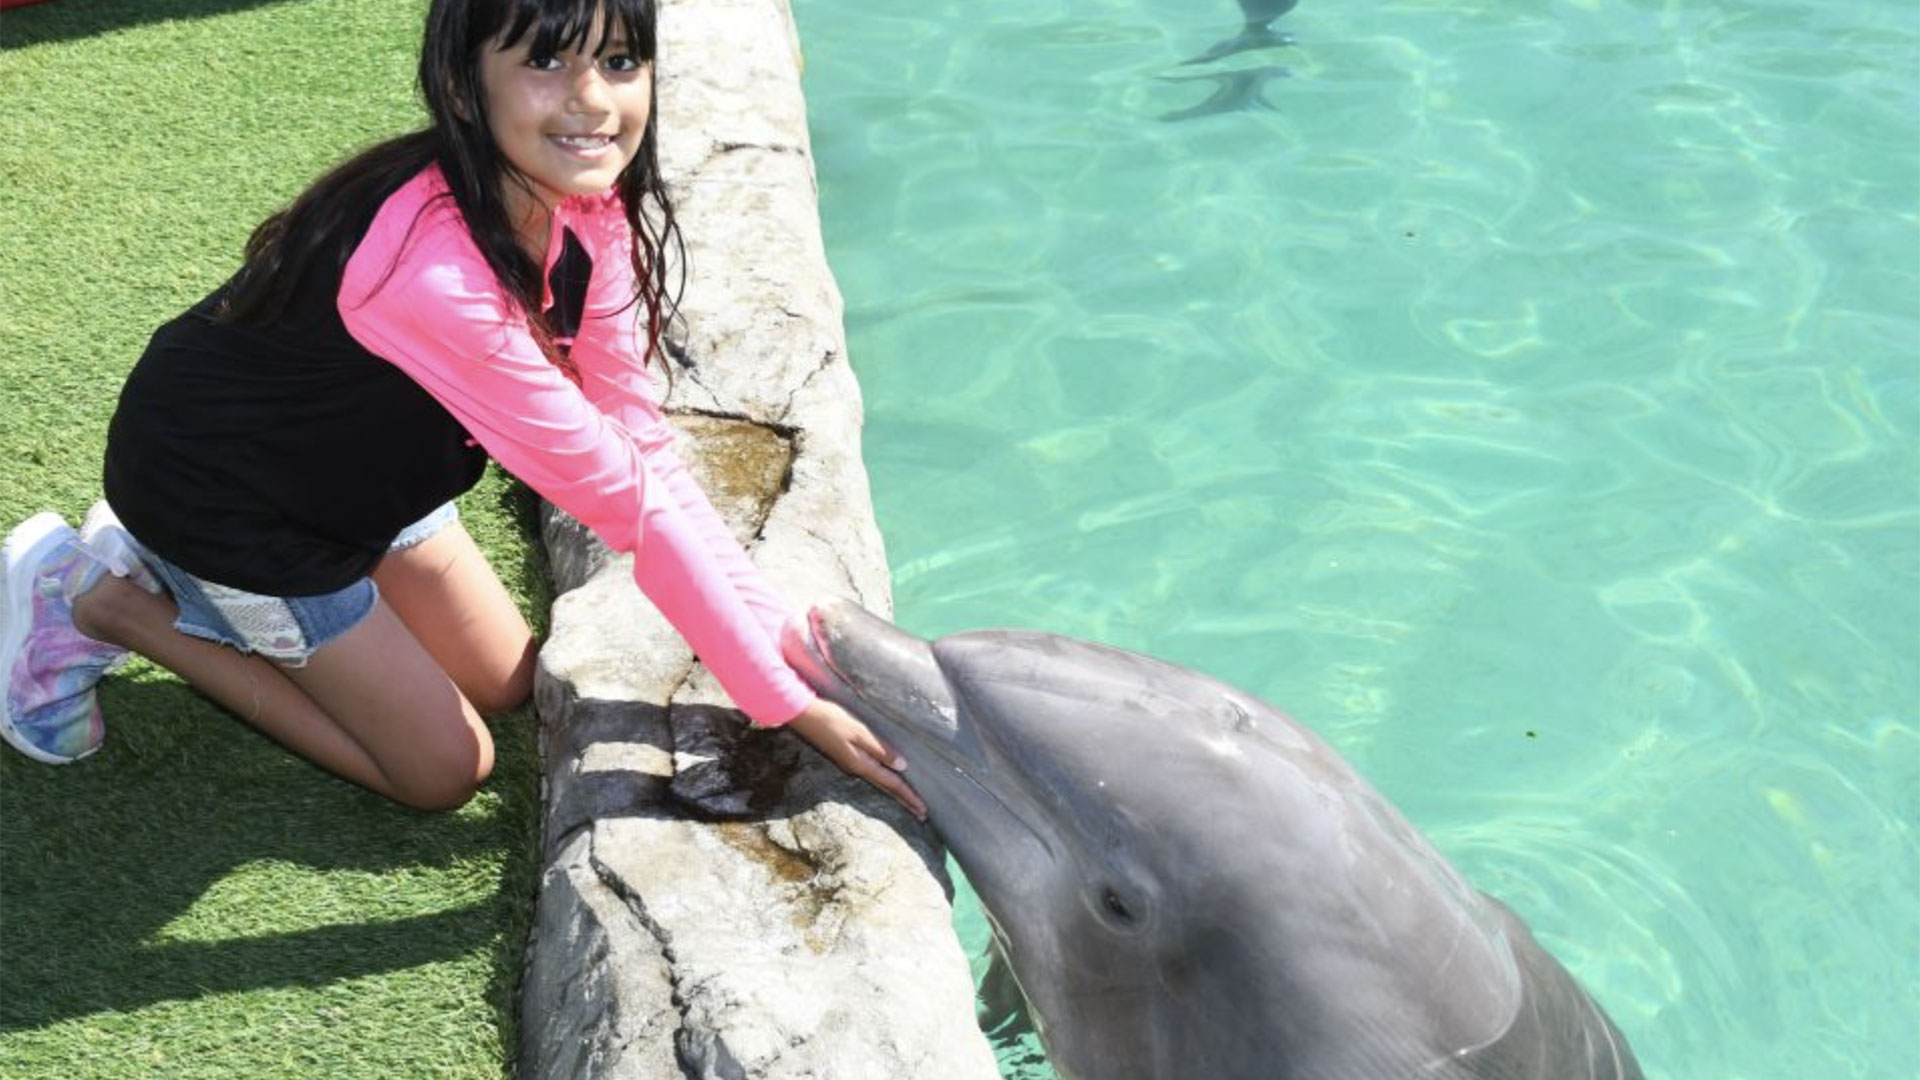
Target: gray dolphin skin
<point x="1187" y="883"/>
<point x="1256" y="31"/>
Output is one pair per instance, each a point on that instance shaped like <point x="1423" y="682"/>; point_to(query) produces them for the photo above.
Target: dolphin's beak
<point x="891" y="681"/>
<point x="868" y="665"/>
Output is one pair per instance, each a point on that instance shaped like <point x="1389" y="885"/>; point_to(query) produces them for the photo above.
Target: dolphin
<point x="1234" y="91"/>
<point x="1187" y="883"/>
<point x="1255" y="31"/>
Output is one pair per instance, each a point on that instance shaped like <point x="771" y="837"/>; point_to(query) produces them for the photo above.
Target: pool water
<point x="1525" y="396"/>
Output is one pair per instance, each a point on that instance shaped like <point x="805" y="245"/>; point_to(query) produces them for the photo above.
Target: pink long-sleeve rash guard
<point x="418" y="293"/>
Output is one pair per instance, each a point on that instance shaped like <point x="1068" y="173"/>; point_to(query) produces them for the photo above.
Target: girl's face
<point x="568" y="123"/>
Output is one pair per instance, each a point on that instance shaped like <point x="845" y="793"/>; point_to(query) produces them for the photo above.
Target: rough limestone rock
<point x="720" y="902"/>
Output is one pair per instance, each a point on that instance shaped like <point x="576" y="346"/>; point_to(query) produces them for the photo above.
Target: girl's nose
<point x="590" y="92"/>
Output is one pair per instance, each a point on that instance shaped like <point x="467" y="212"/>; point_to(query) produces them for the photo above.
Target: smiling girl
<point x="278" y="528"/>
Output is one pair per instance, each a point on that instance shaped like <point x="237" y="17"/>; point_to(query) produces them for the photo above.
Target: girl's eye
<point x="544" y="63"/>
<point x="622" y="62"/>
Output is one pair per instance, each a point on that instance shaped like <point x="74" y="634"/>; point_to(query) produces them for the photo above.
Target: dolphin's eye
<point x="1121" y="902"/>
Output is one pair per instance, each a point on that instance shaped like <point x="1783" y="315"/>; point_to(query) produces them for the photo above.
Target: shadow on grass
<point x="66" y="20"/>
<point x="99" y="858"/>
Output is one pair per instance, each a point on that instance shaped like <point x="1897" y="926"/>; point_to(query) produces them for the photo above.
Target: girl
<point x="280" y="467"/>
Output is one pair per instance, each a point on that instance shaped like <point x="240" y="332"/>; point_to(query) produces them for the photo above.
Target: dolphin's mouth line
<point x="1038" y="836"/>
<point x="967" y="769"/>
<point x="819" y="649"/>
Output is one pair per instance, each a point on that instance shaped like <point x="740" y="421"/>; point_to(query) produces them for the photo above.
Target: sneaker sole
<point x="24" y="551"/>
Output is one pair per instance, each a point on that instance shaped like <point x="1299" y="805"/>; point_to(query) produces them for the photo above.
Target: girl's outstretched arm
<point x="610" y="352"/>
<point x="419" y="294"/>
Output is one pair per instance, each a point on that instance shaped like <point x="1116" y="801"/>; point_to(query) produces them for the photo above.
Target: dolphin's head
<point x="1149" y="841"/>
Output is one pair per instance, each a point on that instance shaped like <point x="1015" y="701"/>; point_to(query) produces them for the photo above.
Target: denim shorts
<point x="285" y="629"/>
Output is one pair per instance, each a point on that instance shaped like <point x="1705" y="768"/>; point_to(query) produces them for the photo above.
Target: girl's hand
<point x="849" y="744"/>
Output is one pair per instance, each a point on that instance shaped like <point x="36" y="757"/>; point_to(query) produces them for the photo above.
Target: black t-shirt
<point x="284" y="459"/>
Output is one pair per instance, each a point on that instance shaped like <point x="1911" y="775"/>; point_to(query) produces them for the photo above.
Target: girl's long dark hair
<point x="319" y="231"/>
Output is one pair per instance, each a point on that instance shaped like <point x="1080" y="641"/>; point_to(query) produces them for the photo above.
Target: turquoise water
<point x="1524" y="396"/>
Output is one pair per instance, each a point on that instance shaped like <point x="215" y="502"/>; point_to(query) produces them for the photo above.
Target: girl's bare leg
<point x="377" y="705"/>
<point x="446" y="592"/>
<point x="253" y="688"/>
<point x="379" y="687"/>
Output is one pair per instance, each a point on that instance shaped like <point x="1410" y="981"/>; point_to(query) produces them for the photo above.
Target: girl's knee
<point x="449" y="782"/>
<point x="483" y="767"/>
<point x="448" y="792"/>
<point x="437" y="798"/>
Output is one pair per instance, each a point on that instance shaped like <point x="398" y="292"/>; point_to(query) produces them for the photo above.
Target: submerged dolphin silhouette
<point x="1189" y="884"/>
<point x="1234" y="91"/>
<point x="1255" y="32"/>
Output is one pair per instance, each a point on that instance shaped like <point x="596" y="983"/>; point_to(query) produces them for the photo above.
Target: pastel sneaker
<point x="110" y="544"/>
<point x="50" y="667"/>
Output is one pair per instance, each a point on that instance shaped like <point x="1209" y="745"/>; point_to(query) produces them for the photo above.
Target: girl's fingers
<point x="876" y="771"/>
<point x="858" y="751"/>
<point x="883" y="753"/>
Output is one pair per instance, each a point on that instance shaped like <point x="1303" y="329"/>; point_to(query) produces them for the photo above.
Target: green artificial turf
<point x="192" y="901"/>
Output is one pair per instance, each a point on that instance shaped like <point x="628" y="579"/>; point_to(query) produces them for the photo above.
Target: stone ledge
<point x="720" y="902"/>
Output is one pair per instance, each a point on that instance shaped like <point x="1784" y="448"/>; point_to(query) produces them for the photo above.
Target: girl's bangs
<point x="558" y="26"/>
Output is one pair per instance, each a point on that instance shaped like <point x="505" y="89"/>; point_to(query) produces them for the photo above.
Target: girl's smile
<point x="587" y="147"/>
